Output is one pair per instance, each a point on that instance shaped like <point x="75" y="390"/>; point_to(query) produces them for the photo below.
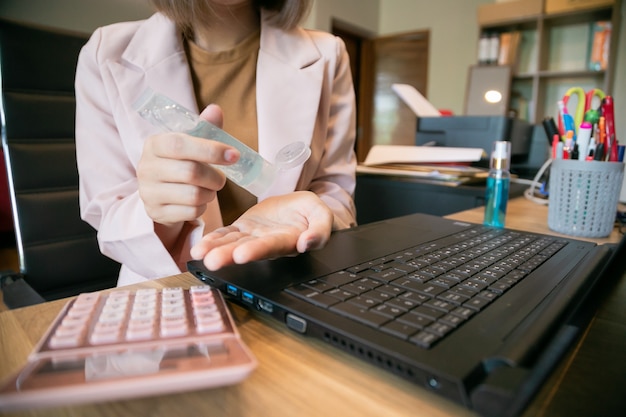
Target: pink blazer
<point x="304" y="93"/>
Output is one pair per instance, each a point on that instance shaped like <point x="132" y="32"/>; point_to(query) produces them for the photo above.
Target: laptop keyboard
<point x="424" y="293"/>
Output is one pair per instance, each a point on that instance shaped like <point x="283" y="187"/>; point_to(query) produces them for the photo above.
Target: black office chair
<point x="58" y="251"/>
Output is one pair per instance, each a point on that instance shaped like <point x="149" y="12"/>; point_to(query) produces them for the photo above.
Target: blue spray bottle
<point x="497" y="193"/>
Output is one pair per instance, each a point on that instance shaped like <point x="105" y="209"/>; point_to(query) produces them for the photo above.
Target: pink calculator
<point x="121" y="344"/>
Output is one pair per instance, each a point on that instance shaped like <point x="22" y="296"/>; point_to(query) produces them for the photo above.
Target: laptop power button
<point x="296" y="323"/>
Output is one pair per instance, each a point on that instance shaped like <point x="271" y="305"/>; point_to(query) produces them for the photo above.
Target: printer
<point x="481" y="132"/>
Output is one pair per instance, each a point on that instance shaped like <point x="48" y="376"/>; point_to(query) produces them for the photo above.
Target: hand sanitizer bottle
<point x="497" y="192"/>
<point x="251" y="171"/>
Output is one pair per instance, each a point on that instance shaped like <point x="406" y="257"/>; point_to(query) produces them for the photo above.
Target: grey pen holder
<point x="584" y="196"/>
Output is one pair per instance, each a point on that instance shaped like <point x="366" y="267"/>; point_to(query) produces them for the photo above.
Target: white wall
<point x="363" y="14"/>
<point x="453" y="40"/>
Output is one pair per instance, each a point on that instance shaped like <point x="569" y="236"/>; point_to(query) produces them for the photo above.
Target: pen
<point x="601" y="130"/>
<point x="569" y="145"/>
<point x="591" y="151"/>
<point x="613" y="152"/>
<point x="568" y="120"/>
<point x="599" y="152"/>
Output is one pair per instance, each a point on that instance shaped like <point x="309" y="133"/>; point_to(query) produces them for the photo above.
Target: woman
<point x="153" y="195"/>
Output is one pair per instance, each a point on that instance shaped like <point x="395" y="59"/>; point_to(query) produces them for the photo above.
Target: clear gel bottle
<point x="497" y="192"/>
<point x="251" y="171"/>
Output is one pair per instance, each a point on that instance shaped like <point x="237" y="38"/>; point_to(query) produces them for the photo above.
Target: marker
<point x="584" y="135"/>
<point x="555" y="145"/>
<point x="609" y="117"/>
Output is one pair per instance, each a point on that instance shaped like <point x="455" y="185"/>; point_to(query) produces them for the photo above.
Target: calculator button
<point x="208" y="322"/>
<point x="112" y="317"/>
<point x="69" y="330"/>
<point x="170" y="330"/>
<point x="209" y="326"/>
<point x="81" y="310"/>
<point x="57" y="342"/>
<point x="173" y="312"/>
<point x="75" y="320"/>
<point x="102" y="337"/>
<point x="140" y="333"/>
<point x="144" y="313"/>
<point x="89" y="299"/>
<point x="205" y="308"/>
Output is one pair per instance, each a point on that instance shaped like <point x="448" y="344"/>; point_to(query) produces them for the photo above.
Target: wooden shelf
<point x="542" y="72"/>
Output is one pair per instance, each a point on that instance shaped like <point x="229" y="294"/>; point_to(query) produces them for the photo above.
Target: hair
<point x="285" y="14"/>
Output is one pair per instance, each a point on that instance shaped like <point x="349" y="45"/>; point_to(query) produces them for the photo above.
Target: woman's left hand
<point x="278" y="226"/>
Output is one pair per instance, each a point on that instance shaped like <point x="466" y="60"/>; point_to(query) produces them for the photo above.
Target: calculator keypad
<point x="124" y="316"/>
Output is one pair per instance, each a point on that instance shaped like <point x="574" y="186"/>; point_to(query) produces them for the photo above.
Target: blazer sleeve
<point x="335" y="178"/>
<point x="109" y="197"/>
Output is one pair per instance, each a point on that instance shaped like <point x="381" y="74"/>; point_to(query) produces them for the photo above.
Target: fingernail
<point x="311" y="244"/>
<point x="231" y="155"/>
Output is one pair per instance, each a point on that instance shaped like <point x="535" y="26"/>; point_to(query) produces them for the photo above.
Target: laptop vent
<point x="381" y="360"/>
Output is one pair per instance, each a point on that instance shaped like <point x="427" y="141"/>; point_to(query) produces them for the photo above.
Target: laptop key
<point x="339" y="278"/>
<point x="439" y="328"/>
<point x="415" y="320"/>
<point x="429" y="312"/>
<point x="453" y="297"/>
<point x="340" y="294"/>
<point x="364" y="302"/>
<point x="398" y="329"/>
<point x="425" y="339"/>
<point x="312" y="296"/>
<point x="477" y="303"/>
<point x="360" y="314"/>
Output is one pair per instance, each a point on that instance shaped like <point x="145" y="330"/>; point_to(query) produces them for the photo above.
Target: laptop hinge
<point x="507" y="390"/>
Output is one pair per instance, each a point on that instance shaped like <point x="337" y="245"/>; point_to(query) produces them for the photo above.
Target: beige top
<point x="228" y="78"/>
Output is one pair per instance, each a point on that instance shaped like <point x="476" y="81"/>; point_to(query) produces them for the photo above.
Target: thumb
<point x="213" y="114"/>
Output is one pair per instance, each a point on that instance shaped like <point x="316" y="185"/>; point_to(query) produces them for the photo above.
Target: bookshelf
<point x="552" y="53"/>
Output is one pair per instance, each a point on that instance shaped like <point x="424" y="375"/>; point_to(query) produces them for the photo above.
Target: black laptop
<point x="479" y="315"/>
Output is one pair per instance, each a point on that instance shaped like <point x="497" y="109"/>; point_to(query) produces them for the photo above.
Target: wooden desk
<point x="298" y="376"/>
<point x="523" y="214"/>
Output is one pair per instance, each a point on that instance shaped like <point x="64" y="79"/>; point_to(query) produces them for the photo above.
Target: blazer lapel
<point x="290" y="73"/>
<point x="154" y="58"/>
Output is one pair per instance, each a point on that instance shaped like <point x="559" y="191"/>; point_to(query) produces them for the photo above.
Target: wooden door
<point x="382" y="118"/>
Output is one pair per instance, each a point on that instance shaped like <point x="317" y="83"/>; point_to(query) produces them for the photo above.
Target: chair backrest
<point x="58" y="252"/>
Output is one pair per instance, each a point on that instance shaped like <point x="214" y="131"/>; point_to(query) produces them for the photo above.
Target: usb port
<point x="265" y="305"/>
<point x="247" y="297"/>
<point x="232" y="290"/>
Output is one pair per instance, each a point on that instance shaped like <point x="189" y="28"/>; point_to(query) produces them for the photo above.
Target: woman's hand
<point x="278" y="226"/>
<point x="175" y="179"/>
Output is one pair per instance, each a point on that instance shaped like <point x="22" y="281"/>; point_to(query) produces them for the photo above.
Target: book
<point x="509" y="48"/>
<point x="599" y="45"/>
<point x="437" y="164"/>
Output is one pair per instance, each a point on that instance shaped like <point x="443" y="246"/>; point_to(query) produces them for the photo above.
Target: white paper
<point x="415" y="100"/>
<point x="397" y="154"/>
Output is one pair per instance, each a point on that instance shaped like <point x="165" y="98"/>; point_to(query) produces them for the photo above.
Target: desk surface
<point x="304" y="377"/>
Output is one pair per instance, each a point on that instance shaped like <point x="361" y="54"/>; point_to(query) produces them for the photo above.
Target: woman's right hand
<point x="176" y="181"/>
